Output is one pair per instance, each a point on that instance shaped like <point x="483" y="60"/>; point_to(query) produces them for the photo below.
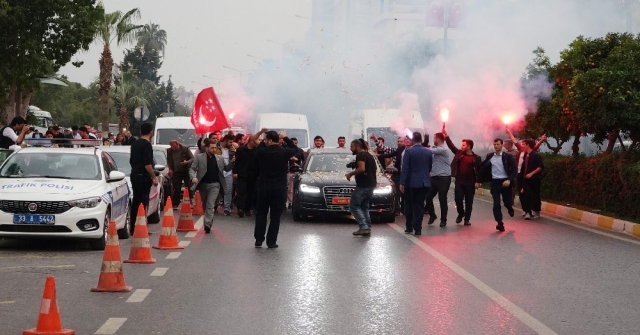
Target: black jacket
<point x="272" y="164"/>
<point x="509" y="163"/>
<point x="458" y="154"/>
<point x="535" y="161"/>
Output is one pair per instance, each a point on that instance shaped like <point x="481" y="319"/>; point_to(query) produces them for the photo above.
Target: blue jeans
<point x="359" y="206"/>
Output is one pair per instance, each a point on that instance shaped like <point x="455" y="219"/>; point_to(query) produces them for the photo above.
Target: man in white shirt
<point x="499" y="168"/>
<point x="13" y="135"/>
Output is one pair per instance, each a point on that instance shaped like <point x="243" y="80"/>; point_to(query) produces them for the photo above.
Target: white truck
<point x="386" y="123"/>
<point x="175" y="128"/>
<point x="295" y="125"/>
<point x="44" y="119"/>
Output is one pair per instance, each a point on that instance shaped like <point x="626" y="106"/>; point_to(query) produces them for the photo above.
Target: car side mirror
<point x="295" y="169"/>
<point x="116" y="176"/>
<point x="159" y="167"/>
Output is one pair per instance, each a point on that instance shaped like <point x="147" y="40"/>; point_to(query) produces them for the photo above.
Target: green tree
<point x="118" y="27"/>
<point x="152" y="38"/>
<point x="131" y="93"/>
<point x="145" y="62"/>
<point x="39" y="37"/>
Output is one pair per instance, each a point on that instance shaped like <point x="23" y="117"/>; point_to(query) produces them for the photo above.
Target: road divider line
<point x="111" y="326"/>
<point x="173" y="255"/>
<point x="159" y="272"/>
<point x="6" y="302"/>
<point x="198" y="226"/>
<point x="510" y="307"/>
<point x="139" y="295"/>
<point x="38" y="267"/>
<point x="184" y="243"/>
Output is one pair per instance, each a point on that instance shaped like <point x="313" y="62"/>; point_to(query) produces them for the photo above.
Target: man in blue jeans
<point x="366" y="181"/>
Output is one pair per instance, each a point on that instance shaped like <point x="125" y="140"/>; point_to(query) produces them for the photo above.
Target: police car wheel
<point x="123" y="233"/>
<point x="101" y="243"/>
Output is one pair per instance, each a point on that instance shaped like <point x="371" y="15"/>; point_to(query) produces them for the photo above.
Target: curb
<point x="588" y="218"/>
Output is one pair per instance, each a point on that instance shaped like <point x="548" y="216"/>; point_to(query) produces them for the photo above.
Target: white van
<point x="295" y="125"/>
<point x="382" y="123"/>
<point x="44" y="119"/>
<point x="175" y="128"/>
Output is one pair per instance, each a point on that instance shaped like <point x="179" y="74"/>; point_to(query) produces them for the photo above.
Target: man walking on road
<point x="530" y="180"/>
<point x="272" y="163"/>
<point x="179" y="158"/>
<point x="500" y="169"/>
<point x="228" y="151"/>
<point x="207" y="176"/>
<point x="244" y="173"/>
<point x="440" y="179"/>
<point x="143" y="174"/>
<point x="415" y="182"/>
<point x="465" y="168"/>
<point x="366" y="181"/>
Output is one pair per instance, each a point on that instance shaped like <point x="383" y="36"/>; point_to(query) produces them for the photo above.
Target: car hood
<point x="47" y="186"/>
<point x="335" y="179"/>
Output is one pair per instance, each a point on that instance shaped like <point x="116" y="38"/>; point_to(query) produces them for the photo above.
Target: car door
<point x="118" y="191"/>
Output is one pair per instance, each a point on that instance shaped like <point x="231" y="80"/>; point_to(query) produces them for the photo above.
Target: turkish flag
<point x="435" y="13"/>
<point x="457" y="13"/>
<point x="207" y="115"/>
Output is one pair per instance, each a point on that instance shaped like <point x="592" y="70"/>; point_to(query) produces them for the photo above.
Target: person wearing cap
<point x="13" y="134"/>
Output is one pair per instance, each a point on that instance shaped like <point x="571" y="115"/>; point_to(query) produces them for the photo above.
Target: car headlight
<point x="85" y="203"/>
<point x="309" y="189"/>
<point x="383" y="190"/>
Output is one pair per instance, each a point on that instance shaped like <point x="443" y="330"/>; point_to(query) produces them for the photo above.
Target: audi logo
<point x="32" y="207"/>
<point x="345" y="191"/>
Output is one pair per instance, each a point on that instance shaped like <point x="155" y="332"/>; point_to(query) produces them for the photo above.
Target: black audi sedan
<point x="320" y="187"/>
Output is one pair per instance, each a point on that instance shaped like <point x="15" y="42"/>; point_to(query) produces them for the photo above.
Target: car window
<point x="122" y="162"/>
<point x="109" y="163"/>
<point x="52" y="165"/>
<point x="331" y="162"/>
<point x="160" y="157"/>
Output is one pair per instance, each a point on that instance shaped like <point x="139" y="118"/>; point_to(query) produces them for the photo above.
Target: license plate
<point x="340" y="201"/>
<point x="34" y="219"/>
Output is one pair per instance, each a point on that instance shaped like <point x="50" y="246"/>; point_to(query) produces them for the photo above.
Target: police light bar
<point x="47" y="142"/>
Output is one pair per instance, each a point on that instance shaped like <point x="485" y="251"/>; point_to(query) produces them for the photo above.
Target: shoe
<point x="227" y="213"/>
<point x="240" y="213"/>
<point x="272" y="246"/>
<point x="408" y="231"/>
<point x="459" y="218"/>
<point x="432" y="219"/>
<point x="511" y="211"/>
<point x="207" y="230"/>
<point x="258" y="244"/>
<point x="527" y="216"/>
<point x="467" y="223"/>
<point x="536" y="215"/>
<point x="443" y="224"/>
<point x="500" y="226"/>
<point x="362" y="232"/>
<point x="418" y="233"/>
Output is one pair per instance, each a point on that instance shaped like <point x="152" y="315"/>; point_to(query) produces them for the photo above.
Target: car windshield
<point x="160" y="157"/>
<point x="122" y="162"/>
<point x="300" y="134"/>
<point x="187" y="137"/>
<point x="51" y="165"/>
<point x="390" y="136"/>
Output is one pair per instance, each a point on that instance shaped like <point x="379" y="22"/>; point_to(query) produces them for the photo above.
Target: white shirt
<point x="497" y="168"/>
<point x="225" y="156"/>
<point x="10" y="133"/>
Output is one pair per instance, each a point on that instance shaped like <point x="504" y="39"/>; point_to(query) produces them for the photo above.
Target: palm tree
<point x="130" y="93"/>
<point x="119" y="27"/>
<point x="151" y="36"/>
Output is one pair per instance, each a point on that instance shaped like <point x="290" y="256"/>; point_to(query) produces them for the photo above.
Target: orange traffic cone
<point x="197" y="209"/>
<point x="49" y="319"/>
<point x="186" y="218"/>
<point x="111" y="275"/>
<point x="168" y="238"/>
<point x="140" y="247"/>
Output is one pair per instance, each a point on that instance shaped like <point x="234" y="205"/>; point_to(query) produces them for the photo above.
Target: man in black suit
<point x="499" y="168"/>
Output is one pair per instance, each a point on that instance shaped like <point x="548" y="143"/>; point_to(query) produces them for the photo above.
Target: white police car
<point x="63" y="193"/>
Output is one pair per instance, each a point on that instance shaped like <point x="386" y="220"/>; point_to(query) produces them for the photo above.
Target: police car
<point x="63" y="193"/>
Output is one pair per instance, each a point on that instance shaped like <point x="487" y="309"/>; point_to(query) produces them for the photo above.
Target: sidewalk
<point x="585" y="217"/>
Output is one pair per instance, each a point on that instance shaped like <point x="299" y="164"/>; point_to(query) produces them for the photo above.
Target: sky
<point x="204" y="36"/>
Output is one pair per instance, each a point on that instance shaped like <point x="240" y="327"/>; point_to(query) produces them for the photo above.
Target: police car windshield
<point x="329" y="162"/>
<point x="51" y="165"/>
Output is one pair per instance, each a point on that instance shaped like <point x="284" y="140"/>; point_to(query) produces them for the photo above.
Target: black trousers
<point x="177" y="179"/>
<point x="530" y="194"/>
<point x="439" y="186"/>
<point x="245" y="194"/>
<point x="414" y="207"/>
<point x="498" y="190"/>
<point x="396" y="184"/>
<point x="463" y="194"/>
<point x="141" y="184"/>
<point x="270" y="200"/>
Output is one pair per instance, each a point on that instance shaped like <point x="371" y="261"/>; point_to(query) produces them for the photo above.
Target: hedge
<point x="602" y="182"/>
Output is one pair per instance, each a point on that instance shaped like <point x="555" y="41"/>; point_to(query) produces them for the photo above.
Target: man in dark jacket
<point x="499" y="168"/>
<point x="465" y="168"/>
<point x="245" y="176"/>
<point x="179" y="159"/>
<point x="272" y="165"/>
<point x="529" y="181"/>
<point x="396" y="155"/>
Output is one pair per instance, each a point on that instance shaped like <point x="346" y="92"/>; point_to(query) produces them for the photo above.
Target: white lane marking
<point x="510" y="307"/>
<point x="579" y="226"/>
<point x="139" y="295"/>
<point x="159" y="272"/>
<point x="37" y="267"/>
<point x="198" y="225"/>
<point x="173" y="255"/>
<point x="111" y="326"/>
<point x="184" y="243"/>
<point x="6" y="302"/>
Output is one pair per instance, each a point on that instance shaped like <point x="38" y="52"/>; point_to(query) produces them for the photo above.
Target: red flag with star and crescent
<point x="207" y="115"/>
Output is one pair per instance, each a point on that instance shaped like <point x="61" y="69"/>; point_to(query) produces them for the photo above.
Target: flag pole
<point x="446" y="24"/>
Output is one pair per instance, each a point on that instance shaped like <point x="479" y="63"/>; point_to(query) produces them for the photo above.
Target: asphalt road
<point x="539" y="276"/>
